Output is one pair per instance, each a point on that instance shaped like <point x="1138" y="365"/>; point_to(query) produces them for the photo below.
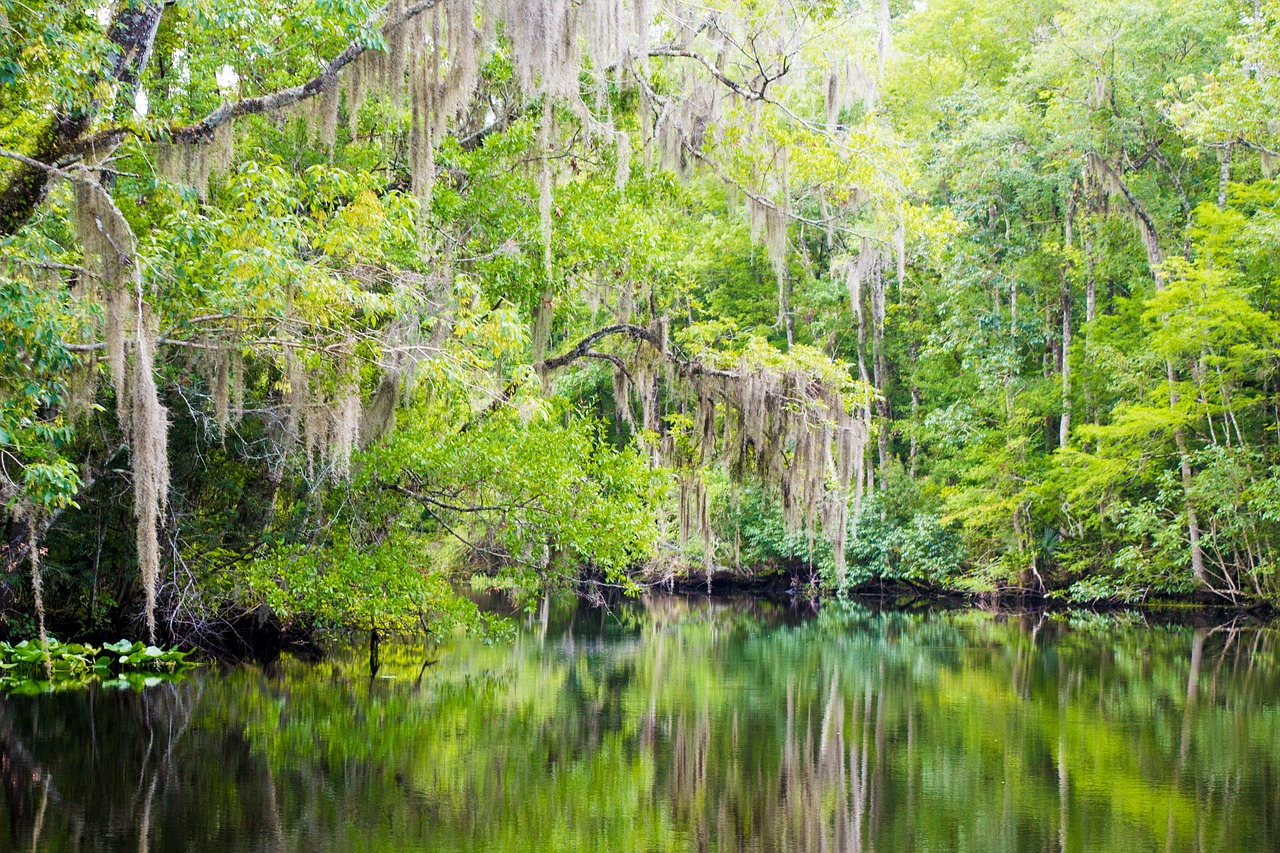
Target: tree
<point x="694" y="261"/>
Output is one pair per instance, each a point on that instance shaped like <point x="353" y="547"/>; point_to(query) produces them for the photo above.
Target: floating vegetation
<point x="31" y="668"/>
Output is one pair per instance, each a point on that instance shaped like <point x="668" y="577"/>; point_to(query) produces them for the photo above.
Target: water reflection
<point x="681" y="725"/>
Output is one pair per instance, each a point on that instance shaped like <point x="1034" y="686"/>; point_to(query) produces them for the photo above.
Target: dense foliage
<point x="312" y="310"/>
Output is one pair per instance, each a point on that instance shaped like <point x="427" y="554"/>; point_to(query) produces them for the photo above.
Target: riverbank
<point x="263" y="636"/>
<point x="901" y="593"/>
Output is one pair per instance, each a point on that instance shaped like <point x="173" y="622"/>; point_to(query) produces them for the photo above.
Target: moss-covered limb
<point x="654" y="338"/>
<point x="132" y="33"/>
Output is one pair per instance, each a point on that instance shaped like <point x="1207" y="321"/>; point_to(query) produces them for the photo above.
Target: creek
<point x="674" y="724"/>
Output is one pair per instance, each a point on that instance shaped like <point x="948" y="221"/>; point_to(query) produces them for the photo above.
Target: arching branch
<point x="617" y="363"/>
<point x="719" y="75"/>
<point x="583" y="349"/>
<point x="1146" y="225"/>
<point x="202" y="130"/>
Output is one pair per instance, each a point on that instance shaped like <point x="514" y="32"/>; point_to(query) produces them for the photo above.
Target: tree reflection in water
<point x="681" y="725"/>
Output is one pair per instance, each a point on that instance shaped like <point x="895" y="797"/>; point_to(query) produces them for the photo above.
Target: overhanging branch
<point x="584" y="349"/>
<point x="202" y="130"/>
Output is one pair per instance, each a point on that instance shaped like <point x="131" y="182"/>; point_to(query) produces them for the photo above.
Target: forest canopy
<point x="313" y="312"/>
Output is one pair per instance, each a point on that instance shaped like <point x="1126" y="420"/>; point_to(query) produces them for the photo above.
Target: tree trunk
<point x="1013" y="341"/>
<point x="1155" y="258"/>
<point x="1064" y="426"/>
<point x="882" y="40"/>
<point x="133" y="32"/>
<point x="1050" y="361"/>
<point x="1224" y="176"/>
<point x="860" y="307"/>
<point x="1090" y="280"/>
<point x="915" y="411"/>
<point x="1146" y="226"/>
<point x="1184" y="465"/>
<point x="543" y="310"/>
<point x="784" y="308"/>
<point x="1090" y="286"/>
<point x="541" y="338"/>
<point x="880" y="367"/>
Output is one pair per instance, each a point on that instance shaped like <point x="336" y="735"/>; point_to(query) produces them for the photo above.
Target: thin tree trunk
<point x="1013" y="308"/>
<point x="882" y="40"/>
<point x="1146" y="226"/>
<point x="1224" y="175"/>
<point x="1155" y="258"/>
<point x="1090" y="287"/>
<point x="1090" y="280"/>
<point x="1229" y="418"/>
<point x="880" y="367"/>
<point x="1013" y="341"/>
<point x="861" y="308"/>
<point x="1064" y="426"/>
<point x="784" y="309"/>
<point x="542" y="325"/>
<point x="915" y="411"/>
<point x="1051" y="358"/>
<point x="545" y="307"/>
<point x="1184" y="465"/>
<point x="1050" y="361"/>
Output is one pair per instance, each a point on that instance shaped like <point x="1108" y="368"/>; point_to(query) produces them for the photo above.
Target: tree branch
<point x="745" y="91"/>
<point x="423" y="497"/>
<point x="202" y="130"/>
<point x="133" y="32"/>
<point x="1240" y="140"/>
<point x="16" y="533"/>
<point x="612" y="359"/>
<point x="583" y="349"/>
<point x="31" y="162"/>
<point x="1150" y="236"/>
<point x="738" y="88"/>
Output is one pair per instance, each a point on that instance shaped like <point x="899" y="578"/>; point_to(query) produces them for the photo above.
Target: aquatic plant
<point x="29" y="668"/>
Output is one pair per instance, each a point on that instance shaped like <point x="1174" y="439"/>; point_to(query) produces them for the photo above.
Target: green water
<point x="680" y="725"/>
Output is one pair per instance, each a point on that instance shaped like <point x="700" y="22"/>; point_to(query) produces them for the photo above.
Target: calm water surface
<point x="681" y="725"/>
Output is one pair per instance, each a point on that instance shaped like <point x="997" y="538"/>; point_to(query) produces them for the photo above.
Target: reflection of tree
<point x="22" y="778"/>
<point x="693" y="727"/>
<point x="166" y="714"/>
<point x="118" y="750"/>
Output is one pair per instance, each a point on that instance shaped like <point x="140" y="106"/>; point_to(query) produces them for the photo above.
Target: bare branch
<point x="1146" y="225"/>
<point x="31" y="163"/>
<point x="719" y="75"/>
<point x="617" y="363"/>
